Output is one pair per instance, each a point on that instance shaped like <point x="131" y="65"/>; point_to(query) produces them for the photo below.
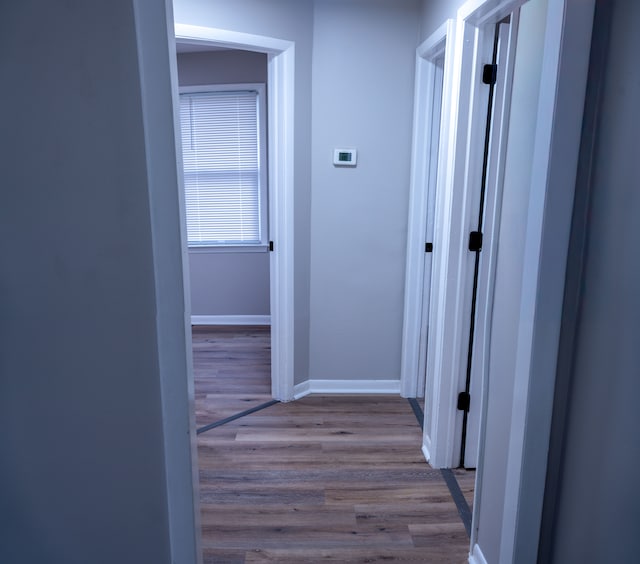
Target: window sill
<point x="230" y="249"/>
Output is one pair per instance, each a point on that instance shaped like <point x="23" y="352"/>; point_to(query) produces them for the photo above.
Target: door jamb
<point x="280" y="115"/>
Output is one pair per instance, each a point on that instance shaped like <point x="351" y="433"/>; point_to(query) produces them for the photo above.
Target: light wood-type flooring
<point x="321" y="479"/>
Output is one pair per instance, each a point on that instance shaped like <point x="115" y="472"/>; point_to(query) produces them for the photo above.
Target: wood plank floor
<point x="322" y="479"/>
<point x="232" y="370"/>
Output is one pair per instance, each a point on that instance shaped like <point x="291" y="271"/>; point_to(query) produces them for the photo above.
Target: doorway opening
<point x="223" y="123"/>
<point x="448" y="302"/>
<point x="280" y="88"/>
<point x="527" y="278"/>
<point x="430" y="133"/>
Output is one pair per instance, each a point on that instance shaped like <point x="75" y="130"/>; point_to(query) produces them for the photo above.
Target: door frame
<point x="555" y="158"/>
<point x="424" y="154"/>
<point x="557" y="141"/>
<point x="553" y="181"/>
<point x="280" y="118"/>
<point x="450" y="310"/>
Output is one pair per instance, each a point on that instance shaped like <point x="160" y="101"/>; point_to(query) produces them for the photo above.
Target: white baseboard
<point x="327" y="387"/>
<point x="476" y="557"/>
<point x="230" y="320"/>
<point x="301" y="390"/>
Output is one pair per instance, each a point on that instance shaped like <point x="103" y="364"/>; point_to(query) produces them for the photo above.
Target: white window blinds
<point x="220" y="144"/>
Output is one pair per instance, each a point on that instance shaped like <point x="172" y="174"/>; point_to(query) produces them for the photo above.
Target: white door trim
<point x="280" y="88"/>
<point x="424" y="156"/>
<point x="449" y="317"/>
<point x="555" y="161"/>
<point x="476" y="556"/>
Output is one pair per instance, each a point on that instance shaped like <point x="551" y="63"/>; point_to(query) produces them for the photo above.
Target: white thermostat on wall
<point x="345" y="157"/>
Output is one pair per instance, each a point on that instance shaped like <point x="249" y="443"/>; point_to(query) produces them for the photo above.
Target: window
<point x="223" y="146"/>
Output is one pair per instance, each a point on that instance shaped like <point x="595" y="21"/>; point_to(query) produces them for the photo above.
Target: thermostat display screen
<point x="344" y="157"/>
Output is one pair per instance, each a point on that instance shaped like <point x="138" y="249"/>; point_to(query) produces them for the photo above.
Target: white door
<point x="496" y="74"/>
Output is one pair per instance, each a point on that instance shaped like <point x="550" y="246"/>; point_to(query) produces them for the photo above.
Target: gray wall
<point x="363" y="72"/>
<point x="229" y="283"/>
<point x="594" y="506"/>
<point x="358" y="86"/>
<point x="221" y="67"/>
<point x="226" y="283"/>
<point x="509" y="268"/>
<point x="291" y="20"/>
<point x="86" y="457"/>
<point x="435" y="13"/>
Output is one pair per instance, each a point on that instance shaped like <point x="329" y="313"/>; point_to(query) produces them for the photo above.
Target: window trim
<point x="260" y="88"/>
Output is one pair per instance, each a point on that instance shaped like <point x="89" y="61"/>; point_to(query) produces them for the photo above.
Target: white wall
<point x="291" y="20"/>
<point x="91" y="339"/>
<point x="509" y="269"/>
<point x="595" y="511"/>
<point x="363" y="66"/>
<point x="226" y="283"/>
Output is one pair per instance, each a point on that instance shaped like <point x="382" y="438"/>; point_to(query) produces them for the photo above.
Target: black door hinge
<point x="464" y="401"/>
<point x="475" y="241"/>
<point x="428" y="247"/>
<point x="489" y="74"/>
<point x="271" y="246"/>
